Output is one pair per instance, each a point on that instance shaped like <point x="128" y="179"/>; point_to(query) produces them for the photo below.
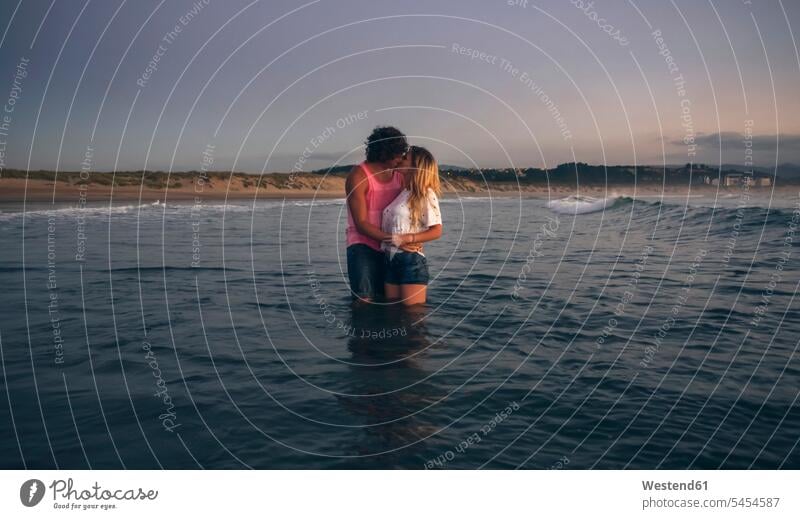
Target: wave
<point x="577" y="204"/>
<point x="696" y="207"/>
<point x="462" y="199"/>
<point x="77" y="211"/>
<point x="168" y="268"/>
<point x="728" y="221"/>
<point x="750" y="214"/>
<point x="176" y="208"/>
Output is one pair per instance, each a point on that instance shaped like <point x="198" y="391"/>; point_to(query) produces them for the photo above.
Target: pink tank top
<point x="379" y="195"/>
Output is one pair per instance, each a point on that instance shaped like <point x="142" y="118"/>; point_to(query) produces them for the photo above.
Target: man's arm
<point x="356" y="187"/>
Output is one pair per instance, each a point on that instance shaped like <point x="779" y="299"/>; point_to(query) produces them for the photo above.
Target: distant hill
<point x="583" y="173"/>
<point x="450" y="167"/>
<point x="789" y="171"/>
<point x="347" y="167"/>
<point x="572" y="173"/>
<point x="594" y="174"/>
<point x="568" y="174"/>
<point x="334" y="170"/>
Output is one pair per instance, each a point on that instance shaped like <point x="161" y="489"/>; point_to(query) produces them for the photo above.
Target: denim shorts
<point x="406" y="268"/>
<point x="366" y="271"/>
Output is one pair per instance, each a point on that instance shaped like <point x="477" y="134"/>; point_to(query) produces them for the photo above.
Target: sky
<point x="275" y="85"/>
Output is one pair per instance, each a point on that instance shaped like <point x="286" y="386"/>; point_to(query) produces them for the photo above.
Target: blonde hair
<point x="424" y="175"/>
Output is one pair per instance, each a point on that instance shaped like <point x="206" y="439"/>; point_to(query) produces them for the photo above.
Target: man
<point x="371" y="186"/>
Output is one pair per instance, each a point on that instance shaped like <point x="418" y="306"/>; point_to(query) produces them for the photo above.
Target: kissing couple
<point x="392" y="210"/>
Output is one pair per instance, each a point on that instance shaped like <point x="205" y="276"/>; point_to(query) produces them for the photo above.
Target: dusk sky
<point x="480" y="82"/>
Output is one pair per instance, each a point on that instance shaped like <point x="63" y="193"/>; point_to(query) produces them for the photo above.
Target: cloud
<point x="732" y="146"/>
<point x="735" y="140"/>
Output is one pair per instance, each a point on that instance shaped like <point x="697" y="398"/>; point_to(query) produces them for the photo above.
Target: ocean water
<point x="653" y="334"/>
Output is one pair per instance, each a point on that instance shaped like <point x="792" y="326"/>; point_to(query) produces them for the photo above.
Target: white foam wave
<point x="462" y="199"/>
<point x="577" y="204"/>
<point x="61" y="212"/>
<point x="158" y="208"/>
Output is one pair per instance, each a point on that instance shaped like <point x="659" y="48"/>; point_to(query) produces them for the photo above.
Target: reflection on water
<point x="388" y="372"/>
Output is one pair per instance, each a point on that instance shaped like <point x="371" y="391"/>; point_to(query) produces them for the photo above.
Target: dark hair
<point x="385" y="143"/>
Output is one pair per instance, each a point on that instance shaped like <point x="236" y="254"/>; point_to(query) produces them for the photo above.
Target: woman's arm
<point x="434" y="232"/>
<point x="356" y="188"/>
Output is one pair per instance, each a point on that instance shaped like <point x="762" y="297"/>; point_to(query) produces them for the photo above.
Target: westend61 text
<point x="675" y="485"/>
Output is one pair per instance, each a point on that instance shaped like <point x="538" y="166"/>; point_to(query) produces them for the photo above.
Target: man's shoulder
<point x="356" y="179"/>
<point x="356" y="172"/>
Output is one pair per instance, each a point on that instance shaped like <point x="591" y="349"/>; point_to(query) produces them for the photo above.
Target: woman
<point x="412" y="217"/>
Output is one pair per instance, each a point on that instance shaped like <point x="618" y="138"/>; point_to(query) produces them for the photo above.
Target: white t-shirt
<point x="397" y="217"/>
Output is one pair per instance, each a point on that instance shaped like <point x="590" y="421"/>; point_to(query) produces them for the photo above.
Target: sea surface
<point x="657" y="333"/>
